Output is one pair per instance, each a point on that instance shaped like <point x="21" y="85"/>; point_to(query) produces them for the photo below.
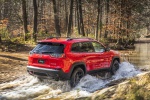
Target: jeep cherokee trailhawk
<point x="70" y="59"/>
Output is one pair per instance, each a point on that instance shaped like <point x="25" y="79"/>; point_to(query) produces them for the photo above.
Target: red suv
<point x="70" y="59"/>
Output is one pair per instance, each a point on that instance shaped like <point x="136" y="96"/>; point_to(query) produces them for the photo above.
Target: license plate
<point x="41" y="61"/>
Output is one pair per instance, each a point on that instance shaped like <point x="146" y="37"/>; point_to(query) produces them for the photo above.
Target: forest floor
<point x="13" y="60"/>
<point x="143" y="40"/>
<point x="12" y="65"/>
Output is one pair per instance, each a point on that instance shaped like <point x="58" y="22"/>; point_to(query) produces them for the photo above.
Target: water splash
<point x="92" y="83"/>
<point x="28" y="87"/>
<point x="126" y="70"/>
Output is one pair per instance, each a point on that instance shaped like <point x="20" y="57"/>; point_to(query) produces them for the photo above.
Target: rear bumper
<point x="47" y="73"/>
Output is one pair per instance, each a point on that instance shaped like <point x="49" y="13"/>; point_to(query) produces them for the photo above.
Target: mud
<point x="12" y="65"/>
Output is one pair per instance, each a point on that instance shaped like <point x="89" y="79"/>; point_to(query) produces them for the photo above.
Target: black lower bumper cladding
<point x="47" y="73"/>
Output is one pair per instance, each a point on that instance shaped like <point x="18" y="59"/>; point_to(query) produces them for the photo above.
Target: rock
<point x="131" y="89"/>
<point x="116" y="82"/>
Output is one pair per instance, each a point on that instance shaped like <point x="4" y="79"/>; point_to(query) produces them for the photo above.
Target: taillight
<point x="57" y="55"/>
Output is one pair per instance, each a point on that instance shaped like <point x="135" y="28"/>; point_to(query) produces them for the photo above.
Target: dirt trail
<point x="12" y="65"/>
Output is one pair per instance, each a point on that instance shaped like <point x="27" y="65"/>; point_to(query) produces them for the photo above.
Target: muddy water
<point x="140" y="57"/>
<point x="28" y="87"/>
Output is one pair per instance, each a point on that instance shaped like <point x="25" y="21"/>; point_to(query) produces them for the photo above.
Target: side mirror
<point x="107" y="49"/>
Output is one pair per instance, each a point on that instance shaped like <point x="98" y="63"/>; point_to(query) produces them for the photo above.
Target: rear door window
<point x="87" y="47"/>
<point x="49" y="48"/>
<point x="76" y="47"/>
<point x="82" y="47"/>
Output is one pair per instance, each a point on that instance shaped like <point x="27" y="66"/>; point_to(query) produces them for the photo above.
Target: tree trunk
<point x="81" y="17"/>
<point x="70" y="18"/>
<point x="148" y="28"/>
<point x="98" y="13"/>
<point x="56" y="19"/>
<point x="107" y="12"/>
<point x="66" y="16"/>
<point x="35" y="20"/>
<point x="0" y="39"/>
<point x="100" y="20"/>
<point x="78" y="18"/>
<point x="6" y="9"/>
<point x="24" y="16"/>
<point x="128" y="20"/>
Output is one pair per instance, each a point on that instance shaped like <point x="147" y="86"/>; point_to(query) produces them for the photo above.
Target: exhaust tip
<point x="31" y="72"/>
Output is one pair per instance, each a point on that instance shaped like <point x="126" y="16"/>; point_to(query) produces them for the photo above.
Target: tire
<point x="76" y="76"/>
<point x="40" y="79"/>
<point x="114" y="67"/>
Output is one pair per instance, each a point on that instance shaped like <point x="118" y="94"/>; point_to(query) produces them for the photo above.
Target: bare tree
<point x="70" y="18"/>
<point x="0" y="39"/>
<point x="121" y="18"/>
<point x="66" y="16"/>
<point x="81" y="17"/>
<point x="100" y="23"/>
<point x="6" y="9"/>
<point x="56" y="19"/>
<point x="107" y="12"/>
<point x="35" y="9"/>
<point x="98" y="14"/>
<point x="24" y="16"/>
<point x="78" y="18"/>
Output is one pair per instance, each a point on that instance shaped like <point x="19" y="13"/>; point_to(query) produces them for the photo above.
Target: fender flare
<point x="115" y="57"/>
<point x="75" y="65"/>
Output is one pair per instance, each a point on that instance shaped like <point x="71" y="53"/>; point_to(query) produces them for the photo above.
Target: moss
<point x="83" y="98"/>
<point x="137" y="89"/>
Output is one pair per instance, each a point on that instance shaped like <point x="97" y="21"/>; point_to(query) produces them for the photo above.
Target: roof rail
<point x="69" y="39"/>
<point x="57" y="37"/>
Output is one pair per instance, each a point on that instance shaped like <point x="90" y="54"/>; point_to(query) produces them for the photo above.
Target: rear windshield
<point x="49" y="48"/>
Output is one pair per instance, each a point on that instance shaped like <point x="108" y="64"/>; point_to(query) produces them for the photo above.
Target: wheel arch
<point x="111" y="69"/>
<point x="113" y="59"/>
<point x="116" y="58"/>
<point x="78" y="65"/>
